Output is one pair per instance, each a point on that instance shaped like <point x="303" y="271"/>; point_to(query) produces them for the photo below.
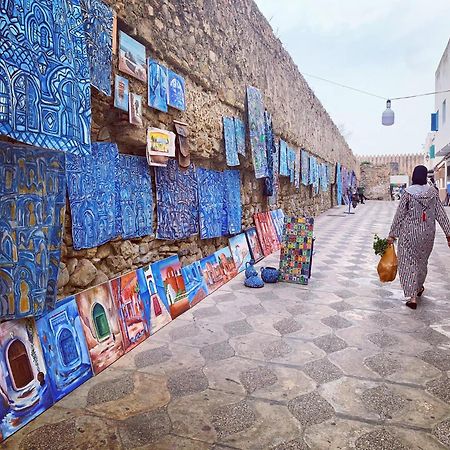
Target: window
<point x="101" y="322"/>
<point x="444" y="111"/>
<point x="19" y="364"/>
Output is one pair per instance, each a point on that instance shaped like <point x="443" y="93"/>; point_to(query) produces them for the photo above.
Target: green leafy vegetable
<point x="379" y="245"/>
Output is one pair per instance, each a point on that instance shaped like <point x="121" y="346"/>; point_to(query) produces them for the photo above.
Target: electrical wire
<point x="420" y="95"/>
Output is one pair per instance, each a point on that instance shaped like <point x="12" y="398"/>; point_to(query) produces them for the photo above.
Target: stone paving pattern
<point x="341" y="363"/>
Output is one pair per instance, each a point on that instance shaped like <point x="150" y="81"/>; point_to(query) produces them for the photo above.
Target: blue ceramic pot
<point x="250" y="270"/>
<point x="254" y="282"/>
<point x="270" y="274"/>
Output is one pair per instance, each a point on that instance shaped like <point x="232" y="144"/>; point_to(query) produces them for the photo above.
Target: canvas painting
<point x="273" y="199"/>
<point x="157" y="307"/>
<point x="239" y="129"/>
<point x="226" y="263"/>
<point x="211" y="203"/>
<point x="266" y="233"/>
<point x="229" y="137"/>
<point x="134" y="216"/>
<point x="98" y="27"/>
<point x="160" y="142"/>
<point x="291" y="163"/>
<point x="257" y="131"/>
<point x="305" y="168"/>
<point x="240" y="251"/>
<point x="212" y="272"/>
<point x="92" y="198"/>
<point x="297" y="176"/>
<point x="176" y="93"/>
<point x="132" y="58"/>
<point x="233" y="204"/>
<point x="45" y="96"/>
<point x="284" y="167"/>
<point x="196" y="287"/>
<point x="170" y="284"/>
<point x="133" y="320"/>
<point x="254" y="245"/>
<point x="100" y="324"/>
<point x="176" y="202"/>
<point x="24" y="385"/>
<point x="32" y="205"/>
<point x="135" y="110"/>
<point x="65" y="349"/>
<point x="296" y="250"/>
<point x="121" y="93"/>
<point x="278" y="222"/>
<point x="158" y="86"/>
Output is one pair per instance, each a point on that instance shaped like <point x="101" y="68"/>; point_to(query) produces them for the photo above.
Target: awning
<point x="444" y="151"/>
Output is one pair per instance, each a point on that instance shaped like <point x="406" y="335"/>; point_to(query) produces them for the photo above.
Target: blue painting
<point x="312" y="170"/>
<point x="276" y="176"/>
<point x="196" y="287"/>
<point x="297" y="175"/>
<point x="229" y="137"/>
<point x="284" y="166"/>
<point x="132" y="59"/>
<point x="24" y="388"/>
<point x="239" y="128"/>
<point x="233" y="204"/>
<point x="240" y="251"/>
<point x="291" y="164"/>
<point x="278" y="222"/>
<point x="176" y="201"/>
<point x="32" y="206"/>
<point x="134" y="193"/>
<point x="121" y="93"/>
<point x="176" y="95"/>
<point x="45" y="96"/>
<point x="157" y="86"/>
<point x="211" y="203"/>
<point x="91" y="187"/>
<point x="256" y="125"/>
<point x="65" y="350"/>
<point x="212" y="272"/>
<point x="338" y="184"/>
<point x="270" y="147"/>
<point x="98" y="28"/>
<point x="305" y="168"/>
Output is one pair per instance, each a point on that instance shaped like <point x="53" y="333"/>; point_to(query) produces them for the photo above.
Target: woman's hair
<point x="420" y="175"/>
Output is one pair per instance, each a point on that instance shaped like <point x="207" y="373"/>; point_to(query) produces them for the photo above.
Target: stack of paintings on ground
<point x="46" y="358"/>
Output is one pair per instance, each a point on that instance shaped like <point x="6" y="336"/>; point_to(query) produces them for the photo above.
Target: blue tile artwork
<point x="176" y="201"/>
<point x="229" y="137"/>
<point x="257" y="131"/>
<point x="98" y="28"/>
<point x="270" y="146"/>
<point x="64" y="346"/>
<point x="32" y="206"/>
<point x="239" y="128"/>
<point x="45" y="97"/>
<point x="157" y="85"/>
<point x="194" y="282"/>
<point x="211" y="203"/>
<point x="134" y="194"/>
<point x="91" y="187"/>
<point x="233" y="205"/>
<point x="176" y="96"/>
<point x="284" y="165"/>
<point x="305" y="168"/>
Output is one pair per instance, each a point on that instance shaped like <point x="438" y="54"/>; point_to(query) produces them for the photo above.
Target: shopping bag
<point x="387" y="267"/>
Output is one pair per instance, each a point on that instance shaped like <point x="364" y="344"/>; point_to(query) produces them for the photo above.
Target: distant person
<point x="361" y="195"/>
<point x="414" y="225"/>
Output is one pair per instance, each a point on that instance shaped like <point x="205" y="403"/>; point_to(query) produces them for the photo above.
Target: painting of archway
<point x="196" y="286"/>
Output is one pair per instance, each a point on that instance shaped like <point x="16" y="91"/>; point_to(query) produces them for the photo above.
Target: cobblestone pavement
<point x="340" y="364"/>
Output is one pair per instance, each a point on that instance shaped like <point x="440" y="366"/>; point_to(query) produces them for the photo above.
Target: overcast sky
<point x="389" y="47"/>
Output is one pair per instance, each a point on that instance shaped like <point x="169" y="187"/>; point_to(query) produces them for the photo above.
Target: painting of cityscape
<point x="240" y="251"/>
<point x="196" y="287"/>
<point x="212" y="272"/>
<point x="226" y="263"/>
<point x="296" y="250"/>
<point x="254" y="245"/>
<point x="132" y="59"/>
<point x="266" y="233"/>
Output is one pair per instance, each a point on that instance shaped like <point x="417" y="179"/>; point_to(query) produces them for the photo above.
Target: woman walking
<point x="415" y="226"/>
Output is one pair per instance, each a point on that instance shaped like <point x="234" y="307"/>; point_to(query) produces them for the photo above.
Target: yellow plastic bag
<point x="387" y="267"/>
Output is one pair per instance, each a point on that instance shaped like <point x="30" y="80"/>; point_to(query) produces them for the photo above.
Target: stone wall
<point x="220" y="47"/>
<point x="376" y="180"/>
<point x="398" y="164"/>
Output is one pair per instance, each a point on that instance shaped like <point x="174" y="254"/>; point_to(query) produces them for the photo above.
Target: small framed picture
<point x="254" y="244"/>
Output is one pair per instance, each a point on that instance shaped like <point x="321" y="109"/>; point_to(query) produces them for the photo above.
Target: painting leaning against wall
<point x="196" y="287"/>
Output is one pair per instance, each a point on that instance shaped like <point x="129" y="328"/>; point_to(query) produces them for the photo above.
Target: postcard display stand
<point x="297" y="250"/>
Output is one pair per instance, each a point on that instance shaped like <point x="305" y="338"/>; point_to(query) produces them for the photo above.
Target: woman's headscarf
<point x="420" y="175"/>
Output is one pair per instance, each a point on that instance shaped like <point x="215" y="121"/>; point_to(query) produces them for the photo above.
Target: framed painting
<point x="195" y="283"/>
<point x="266" y="233"/>
<point x="158" y="86"/>
<point x="240" y="251"/>
<point x="226" y="263"/>
<point x="278" y="222"/>
<point x="132" y="58"/>
<point x="254" y="244"/>
<point x="121" y="93"/>
<point x="230" y="143"/>
<point x="176" y="93"/>
<point x="135" y="110"/>
<point x="160" y="142"/>
<point x="212" y="273"/>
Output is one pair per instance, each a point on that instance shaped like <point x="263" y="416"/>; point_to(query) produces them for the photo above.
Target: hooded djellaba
<point x="414" y="225"/>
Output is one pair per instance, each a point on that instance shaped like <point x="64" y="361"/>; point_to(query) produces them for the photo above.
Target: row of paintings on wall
<point x="44" y="360"/>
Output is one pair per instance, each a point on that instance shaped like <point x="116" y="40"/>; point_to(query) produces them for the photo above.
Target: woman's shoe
<point x="419" y="294"/>
<point x="412" y="303"/>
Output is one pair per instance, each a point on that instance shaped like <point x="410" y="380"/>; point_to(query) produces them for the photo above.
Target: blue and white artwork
<point x="270" y="147"/>
<point x="176" y="94"/>
<point x="194" y="282"/>
<point x="32" y="206"/>
<point x="338" y="184"/>
<point x="98" y="28"/>
<point x="45" y="96"/>
<point x="132" y="59"/>
<point x="276" y="176"/>
<point x="65" y="351"/>
<point x="297" y="175"/>
<point x="305" y="168"/>
<point x="233" y="204"/>
<point x="91" y="187"/>
<point x="239" y="128"/>
<point x="121" y="93"/>
<point x="278" y="222"/>
<point x="211" y="203"/>
<point x="312" y="170"/>
<point x="134" y="194"/>
<point x="176" y="201"/>
<point x="291" y="163"/>
<point x="284" y="166"/>
<point x="229" y="138"/>
<point x="157" y="85"/>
